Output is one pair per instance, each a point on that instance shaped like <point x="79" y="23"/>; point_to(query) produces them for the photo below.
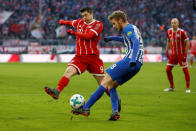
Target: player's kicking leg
<point x="97" y="95"/>
<point x="63" y="82"/>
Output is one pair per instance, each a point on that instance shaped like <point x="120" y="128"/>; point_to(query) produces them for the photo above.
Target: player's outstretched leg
<point x="114" y="116"/>
<point x="54" y="93"/>
<point x="91" y="101"/>
<point x="61" y="85"/>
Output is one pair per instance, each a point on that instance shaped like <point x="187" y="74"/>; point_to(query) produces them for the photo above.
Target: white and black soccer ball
<point x="77" y="101"/>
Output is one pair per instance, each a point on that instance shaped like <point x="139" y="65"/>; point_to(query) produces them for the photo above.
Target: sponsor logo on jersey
<point x="129" y="33"/>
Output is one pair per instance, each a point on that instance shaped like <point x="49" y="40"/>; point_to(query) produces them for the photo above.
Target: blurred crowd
<point x="151" y="16"/>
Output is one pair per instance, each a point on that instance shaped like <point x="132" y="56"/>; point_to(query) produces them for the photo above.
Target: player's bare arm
<point x="167" y="48"/>
<point x="187" y="46"/>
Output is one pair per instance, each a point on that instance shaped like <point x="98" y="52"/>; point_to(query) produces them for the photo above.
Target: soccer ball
<point x="76" y="101"/>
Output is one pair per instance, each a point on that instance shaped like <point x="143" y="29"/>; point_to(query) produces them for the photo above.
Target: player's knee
<point x="69" y="72"/>
<point x="107" y="81"/>
<point x="168" y="68"/>
<point x="185" y="69"/>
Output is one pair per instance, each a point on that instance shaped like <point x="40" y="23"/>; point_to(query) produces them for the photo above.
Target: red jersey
<point x="87" y="46"/>
<point x="193" y="46"/>
<point x="177" y="41"/>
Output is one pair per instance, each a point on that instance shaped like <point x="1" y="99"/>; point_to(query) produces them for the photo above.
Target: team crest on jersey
<point x="97" y="26"/>
<point x="129" y="33"/>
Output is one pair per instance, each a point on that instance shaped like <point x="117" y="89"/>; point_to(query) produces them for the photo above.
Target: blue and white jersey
<point x="133" y="43"/>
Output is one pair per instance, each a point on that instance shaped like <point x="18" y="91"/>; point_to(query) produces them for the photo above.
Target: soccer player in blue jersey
<point x="123" y="70"/>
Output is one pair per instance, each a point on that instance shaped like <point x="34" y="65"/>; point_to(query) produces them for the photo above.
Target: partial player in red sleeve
<point x="88" y="33"/>
<point x="178" y="42"/>
<point x="193" y="49"/>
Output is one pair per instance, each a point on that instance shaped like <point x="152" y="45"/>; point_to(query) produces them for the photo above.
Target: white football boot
<point x="168" y="89"/>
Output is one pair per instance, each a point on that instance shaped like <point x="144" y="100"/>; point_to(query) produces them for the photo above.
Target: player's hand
<point x="71" y="32"/>
<point x="183" y="57"/>
<point x="132" y="64"/>
<point x="167" y="54"/>
<point x="62" y="22"/>
<point x="107" y="39"/>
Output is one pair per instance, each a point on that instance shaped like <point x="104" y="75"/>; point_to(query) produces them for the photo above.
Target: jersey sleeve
<point x="116" y="38"/>
<point x="130" y="34"/>
<point x="184" y="35"/>
<point x="75" y="23"/>
<point x="167" y="34"/>
<point x="97" y="28"/>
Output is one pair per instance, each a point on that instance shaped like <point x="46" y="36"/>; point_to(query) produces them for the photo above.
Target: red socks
<point x="187" y="77"/>
<point x="170" y="76"/>
<point x="62" y="83"/>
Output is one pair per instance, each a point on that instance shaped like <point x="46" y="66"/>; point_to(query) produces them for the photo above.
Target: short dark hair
<point x="117" y="15"/>
<point x="88" y="9"/>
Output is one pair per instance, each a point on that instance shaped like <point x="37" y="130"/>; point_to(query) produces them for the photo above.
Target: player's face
<point x="116" y="25"/>
<point x="174" y="24"/>
<point x="87" y="17"/>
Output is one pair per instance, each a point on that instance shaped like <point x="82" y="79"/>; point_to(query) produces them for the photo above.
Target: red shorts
<point x="173" y="61"/>
<point x="92" y="63"/>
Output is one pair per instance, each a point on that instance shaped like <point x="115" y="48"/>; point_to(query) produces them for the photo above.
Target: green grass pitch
<point x="24" y="106"/>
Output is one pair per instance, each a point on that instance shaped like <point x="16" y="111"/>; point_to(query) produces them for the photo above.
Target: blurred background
<point x="31" y="26"/>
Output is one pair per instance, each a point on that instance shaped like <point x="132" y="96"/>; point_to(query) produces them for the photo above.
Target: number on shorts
<point x="101" y="68"/>
<point x="113" y="66"/>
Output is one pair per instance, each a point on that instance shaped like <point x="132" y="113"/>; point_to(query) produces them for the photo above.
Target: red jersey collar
<point x="176" y="30"/>
<point x="90" y="23"/>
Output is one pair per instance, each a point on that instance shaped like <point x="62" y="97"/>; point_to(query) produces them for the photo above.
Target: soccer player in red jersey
<point x="178" y="41"/>
<point x="88" y="32"/>
<point x="193" y="49"/>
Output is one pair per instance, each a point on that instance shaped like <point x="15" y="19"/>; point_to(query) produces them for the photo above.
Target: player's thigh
<point x="130" y="73"/>
<point x="118" y="70"/>
<point x="95" y="66"/>
<point x="78" y="63"/>
<point x="70" y="71"/>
